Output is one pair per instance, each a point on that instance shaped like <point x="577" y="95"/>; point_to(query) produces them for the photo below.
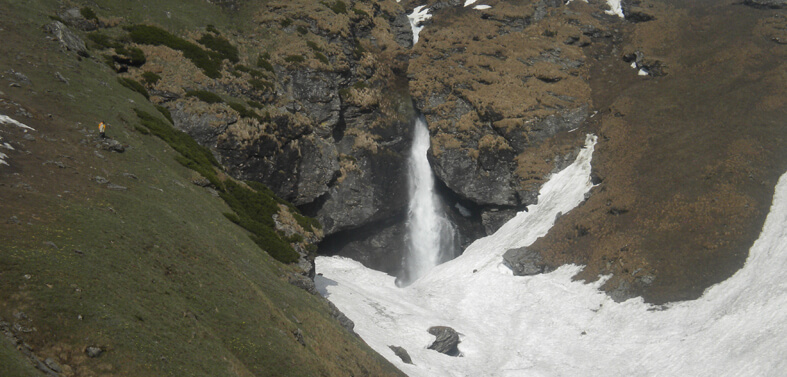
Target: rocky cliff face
<point x="508" y="91"/>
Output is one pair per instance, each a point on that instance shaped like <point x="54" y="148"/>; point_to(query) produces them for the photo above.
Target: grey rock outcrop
<point x="524" y="261"/>
<point x="67" y="38"/>
<point x="73" y="17"/>
<point x="402" y="353"/>
<point x="447" y="340"/>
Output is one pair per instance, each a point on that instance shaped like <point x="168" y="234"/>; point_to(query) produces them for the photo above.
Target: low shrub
<point x="212" y="29"/>
<point x="313" y="45"/>
<point x="220" y="45"/>
<point x="166" y="113"/>
<point x="321" y="57"/>
<point x="262" y="85"/>
<point x="88" y="13"/>
<point x="205" y="96"/>
<point x="295" y="59"/>
<point x="132" y="56"/>
<point x="338" y="7"/>
<point x="134" y="85"/>
<point x="263" y="63"/>
<point x="102" y="41"/>
<point x="208" y="61"/>
<point x="254" y="104"/>
<point x="244" y="112"/>
<point x="285" y="22"/>
<point x="360" y="12"/>
<point x="302" y="30"/>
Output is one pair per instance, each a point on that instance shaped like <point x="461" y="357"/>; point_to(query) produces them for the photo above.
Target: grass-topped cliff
<point x="117" y="263"/>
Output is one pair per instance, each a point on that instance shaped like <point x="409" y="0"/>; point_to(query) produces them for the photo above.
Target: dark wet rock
<point x="204" y="126"/>
<point x="319" y="167"/>
<point x="316" y="93"/>
<point x="402" y="353"/>
<point x="403" y="33"/>
<point x="380" y="246"/>
<point x="67" y="38"/>
<point x="447" y="340"/>
<point x="766" y="4"/>
<point x="93" y="351"/>
<point x="524" y="261"/>
<point x="303" y="282"/>
<point x="485" y="184"/>
<point x="493" y="219"/>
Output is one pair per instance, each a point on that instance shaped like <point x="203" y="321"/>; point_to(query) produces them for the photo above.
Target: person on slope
<point x="101" y="128"/>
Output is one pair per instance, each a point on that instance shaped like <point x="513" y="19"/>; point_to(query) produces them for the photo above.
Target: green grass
<point x="162" y="281"/>
<point x="134" y="85"/>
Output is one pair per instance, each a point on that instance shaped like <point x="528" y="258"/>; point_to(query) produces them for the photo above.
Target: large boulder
<point x="67" y="38"/>
<point x="446" y="340"/>
<point x="524" y="261"/>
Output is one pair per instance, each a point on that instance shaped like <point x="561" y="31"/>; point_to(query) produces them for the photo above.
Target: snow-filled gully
<point x="549" y="325"/>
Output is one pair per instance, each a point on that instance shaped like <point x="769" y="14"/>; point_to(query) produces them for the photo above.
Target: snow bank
<point x="482" y="7"/>
<point x="419" y="15"/>
<point x="549" y="325"/>
<point x="615" y="8"/>
<point x="4" y="119"/>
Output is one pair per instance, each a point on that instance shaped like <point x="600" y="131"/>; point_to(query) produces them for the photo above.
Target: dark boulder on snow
<point x="524" y="261"/>
<point x="402" y="353"/>
<point x="769" y="4"/>
<point x="447" y="341"/>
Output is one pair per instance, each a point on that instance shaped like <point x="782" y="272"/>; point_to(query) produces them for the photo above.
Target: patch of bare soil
<point x="687" y="161"/>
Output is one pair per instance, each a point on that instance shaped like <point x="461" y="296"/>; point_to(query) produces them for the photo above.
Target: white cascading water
<point x="430" y="235"/>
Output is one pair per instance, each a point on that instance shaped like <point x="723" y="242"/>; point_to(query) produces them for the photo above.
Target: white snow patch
<point x="8" y="146"/>
<point x="419" y="15"/>
<point x="3" y="156"/>
<point x="482" y="7"/>
<point x="634" y="65"/>
<point x="615" y="8"/>
<point x="549" y="325"/>
<point x="569" y="1"/>
<point x="469" y="2"/>
<point x="642" y="72"/>
<point x="4" y="119"/>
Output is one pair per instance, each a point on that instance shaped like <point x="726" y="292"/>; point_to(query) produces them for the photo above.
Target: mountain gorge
<point x="195" y="255"/>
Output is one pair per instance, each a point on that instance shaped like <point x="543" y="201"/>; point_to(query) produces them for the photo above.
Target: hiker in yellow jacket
<point x="101" y="128"/>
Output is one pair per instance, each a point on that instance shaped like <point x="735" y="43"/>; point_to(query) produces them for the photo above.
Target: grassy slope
<point x="155" y="274"/>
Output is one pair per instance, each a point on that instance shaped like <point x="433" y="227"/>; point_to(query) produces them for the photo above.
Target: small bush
<point x="212" y="29"/>
<point x="295" y="59"/>
<point x="263" y="63"/>
<point x="302" y="30"/>
<point x="102" y="40"/>
<point x="88" y="13"/>
<point x="192" y="155"/>
<point x="134" y="85"/>
<point x="150" y="78"/>
<point x="358" y="50"/>
<point x="244" y="112"/>
<point x="262" y="85"/>
<point x="132" y="56"/>
<point x="222" y="46"/>
<point x="253" y="72"/>
<point x="285" y="22"/>
<point x="165" y="111"/>
<point x="254" y="104"/>
<point x="205" y="96"/>
<point x="360" y="85"/>
<point x="322" y="57"/>
<point x="313" y="45"/>
<point x="338" y="7"/>
<point x="254" y="211"/>
<point x="209" y="62"/>
<point x="360" y="12"/>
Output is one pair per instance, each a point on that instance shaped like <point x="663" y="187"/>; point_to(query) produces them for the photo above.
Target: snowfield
<point x="548" y="325"/>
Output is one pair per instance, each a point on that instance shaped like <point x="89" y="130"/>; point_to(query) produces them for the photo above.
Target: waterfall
<point x="430" y="235"/>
